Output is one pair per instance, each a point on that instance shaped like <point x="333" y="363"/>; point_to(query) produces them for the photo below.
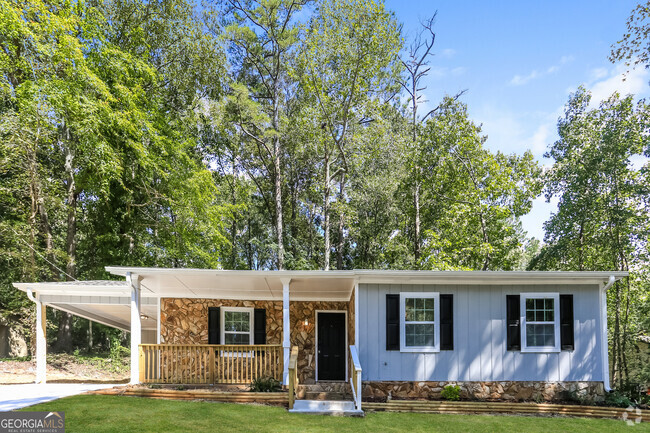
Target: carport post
<point x="136" y="326"/>
<point x="286" y="326"/>
<point x="41" y="342"/>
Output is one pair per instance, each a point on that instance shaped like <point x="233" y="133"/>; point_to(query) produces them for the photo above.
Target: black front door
<point x="331" y="346"/>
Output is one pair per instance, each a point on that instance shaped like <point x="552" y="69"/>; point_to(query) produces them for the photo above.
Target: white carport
<point x="134" y="304"/>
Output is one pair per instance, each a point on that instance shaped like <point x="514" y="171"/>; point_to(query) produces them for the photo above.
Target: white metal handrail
<point x="355" y="378"/>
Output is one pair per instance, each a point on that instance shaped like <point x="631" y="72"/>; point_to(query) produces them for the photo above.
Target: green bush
<point x="618" y="399"/>
<point x="265" y="384"/>
<point x="451" y="392"/>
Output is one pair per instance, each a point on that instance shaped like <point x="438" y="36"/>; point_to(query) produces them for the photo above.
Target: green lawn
<point x="100" y="413"/>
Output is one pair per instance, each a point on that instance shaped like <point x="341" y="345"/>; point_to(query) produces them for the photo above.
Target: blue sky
<point x="520" y="60"/>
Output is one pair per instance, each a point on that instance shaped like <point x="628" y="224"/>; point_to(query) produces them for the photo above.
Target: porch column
<point x="286" y="326"/>
<point x="41" y="342"/>
<point x="136" y="326"/>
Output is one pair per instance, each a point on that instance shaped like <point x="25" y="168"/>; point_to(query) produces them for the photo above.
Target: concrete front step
<point x="326" y="407"/>
<point x="325" y="391"/>
<point x="324" y="396"/>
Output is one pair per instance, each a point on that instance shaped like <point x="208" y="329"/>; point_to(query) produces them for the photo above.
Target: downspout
<point x="604" y="342"/>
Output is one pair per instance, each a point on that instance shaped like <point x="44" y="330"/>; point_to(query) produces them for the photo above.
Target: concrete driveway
<point x="23" y="395"/>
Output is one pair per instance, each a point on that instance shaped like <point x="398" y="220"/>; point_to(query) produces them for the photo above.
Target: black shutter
<point x="392" y="322"/>
<point x="260" y="326"/>
<point x="214" y="329"/>
<point x="566" y="322"/>
<point x="446" y="322"/>
<point x="514" y="327"/>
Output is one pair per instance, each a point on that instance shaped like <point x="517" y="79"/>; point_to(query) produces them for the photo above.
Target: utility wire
<point x="41" y="255"/>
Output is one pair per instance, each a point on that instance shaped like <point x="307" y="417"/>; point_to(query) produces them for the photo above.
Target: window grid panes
<point x="540" y="322"/>
<point x="419" y="317"/>
<point x="236" y="327"/>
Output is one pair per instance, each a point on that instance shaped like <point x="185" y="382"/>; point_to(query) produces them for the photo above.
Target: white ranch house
<point x="499" y="335"/>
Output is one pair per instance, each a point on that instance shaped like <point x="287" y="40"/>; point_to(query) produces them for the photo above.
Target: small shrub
<point x="265" y="384"/>
<point x="180" y="388"/>
<point x="451" y="393"/>
<point x="617" y="399"/>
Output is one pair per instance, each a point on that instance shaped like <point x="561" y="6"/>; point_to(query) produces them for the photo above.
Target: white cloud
<point x="520" y="80"/>
<point x="459" y="70"/>
<point x="540" y="140"/>
<point x="442" y="71"/>
<point x="533" y="222"/>
<point x="447" y="53"/>
<point x="616" y="80"/>
<point x="598" y="74"/>
<point x="566" y="59"/>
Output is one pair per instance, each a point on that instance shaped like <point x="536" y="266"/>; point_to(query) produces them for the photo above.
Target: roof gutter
<point x="604" y="343"/>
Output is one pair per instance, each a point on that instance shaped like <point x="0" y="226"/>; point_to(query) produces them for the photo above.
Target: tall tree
<point x="262" y="35"/>
<point x="349" y="57"/>
<point x="474" y="198"/>
<point x="601" y="222"/>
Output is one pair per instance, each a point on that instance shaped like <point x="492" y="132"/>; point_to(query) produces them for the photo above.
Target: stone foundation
<point x="488" y="391"/>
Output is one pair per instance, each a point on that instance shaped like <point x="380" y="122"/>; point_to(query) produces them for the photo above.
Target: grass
<point x="102" y="413"/>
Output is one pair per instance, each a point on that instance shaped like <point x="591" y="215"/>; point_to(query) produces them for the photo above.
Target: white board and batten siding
<point x="480" y="338"/>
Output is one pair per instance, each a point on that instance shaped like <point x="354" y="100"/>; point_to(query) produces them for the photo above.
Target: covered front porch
<point x="193" y="326"/>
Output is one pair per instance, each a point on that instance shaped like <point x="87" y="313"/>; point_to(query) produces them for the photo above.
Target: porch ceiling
<point x="247" y="285"/>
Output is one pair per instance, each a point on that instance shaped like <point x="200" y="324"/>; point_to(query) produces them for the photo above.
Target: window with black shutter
<point x="446" y="322"/>
<point x="566" y="322"/>
<point x="513" y="320"/>
<point x="259" y="322"/>
<point x="392" y="322"/>
<point x="214" y="329"/>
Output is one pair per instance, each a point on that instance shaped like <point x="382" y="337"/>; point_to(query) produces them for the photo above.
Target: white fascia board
<point x="368" y="274"/>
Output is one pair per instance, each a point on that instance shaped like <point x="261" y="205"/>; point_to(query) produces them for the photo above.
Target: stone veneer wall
<point x="305" y="337"/>
<point x="490" y="391"/>
<point x="185" y="320"/>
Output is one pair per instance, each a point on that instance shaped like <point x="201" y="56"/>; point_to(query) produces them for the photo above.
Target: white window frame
<point x="556" y="322"/>
<point x="436" y="322"/>
<point x="251" y="329"/>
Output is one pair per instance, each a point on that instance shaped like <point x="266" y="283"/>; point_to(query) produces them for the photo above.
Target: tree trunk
<point x="64" y="335"/>
<point x="341" y="243"/>
<point x="326" y="217"/>
<point x="90" y="334"/>
<point x="278" y="176"/>
<point x="233" y="227"/>
<point x="416" y="200"/>
<point x="416" y="190"/>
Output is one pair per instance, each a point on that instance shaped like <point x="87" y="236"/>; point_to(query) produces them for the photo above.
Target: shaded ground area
<point x="99" y="413"/>
<point x="66" y="368"/>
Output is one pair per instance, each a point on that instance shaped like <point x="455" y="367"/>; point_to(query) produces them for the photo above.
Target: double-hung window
<point x="237" y="325"/>
<point x="540" y="319"/>
<point x="420" y="322"/>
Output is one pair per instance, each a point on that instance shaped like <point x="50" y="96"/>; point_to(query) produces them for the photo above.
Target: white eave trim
<point x="374" y="276"/>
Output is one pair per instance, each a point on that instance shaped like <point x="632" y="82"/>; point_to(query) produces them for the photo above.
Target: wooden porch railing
<point x="355" y="379"/>
<point x="293" y="375"/>
<point x="209" y="363"/>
